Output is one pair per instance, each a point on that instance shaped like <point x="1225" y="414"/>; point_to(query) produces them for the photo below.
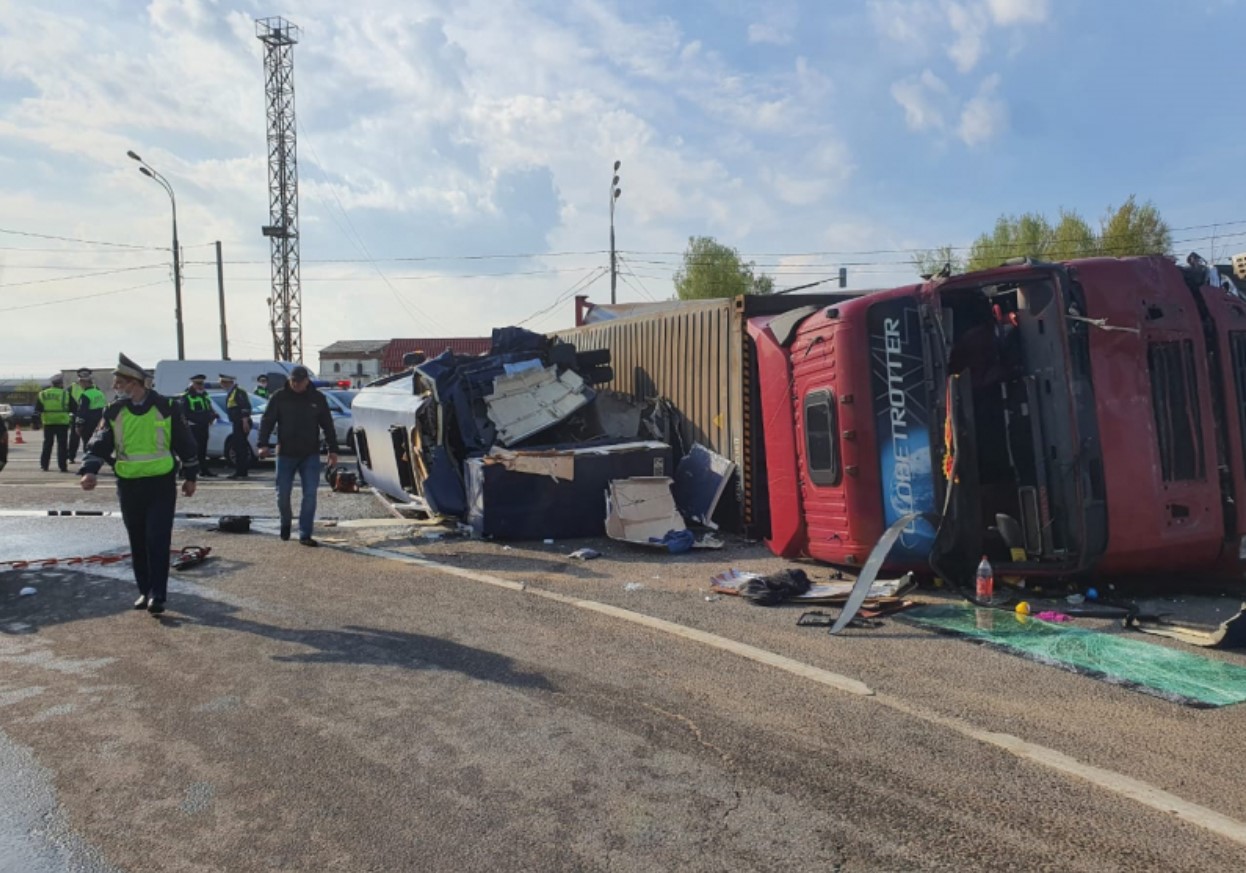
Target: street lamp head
<point x="145" y="172"/>
<point x="133" y="156"/>
<point x="617" y="192"/>
<point x="617" y="164"/>
<point x="614" y="182"/>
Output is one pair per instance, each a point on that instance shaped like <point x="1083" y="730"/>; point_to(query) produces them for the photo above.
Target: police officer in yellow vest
<point x="238" y="408"/>
<point x="89" y="403"/>
<point x="55" y="408"/>
<point x="197" y="405"/>
<point x="144" y="434"/>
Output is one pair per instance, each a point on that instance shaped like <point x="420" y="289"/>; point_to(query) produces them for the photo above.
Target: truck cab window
<point x="821" y="452"/>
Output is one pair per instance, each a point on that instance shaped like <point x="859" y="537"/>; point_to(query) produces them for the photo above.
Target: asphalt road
<point x="465" y="706"/>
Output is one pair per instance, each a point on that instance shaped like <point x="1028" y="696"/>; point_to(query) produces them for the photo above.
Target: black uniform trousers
<point x="147" y="507"/>
<point x="60" y="433"/>
<point x="82" y="433"/>
<point x="200" y="430"/>
<point x="242" y="449"/>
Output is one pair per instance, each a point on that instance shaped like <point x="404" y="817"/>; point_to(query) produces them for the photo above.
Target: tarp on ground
<point x="1183" y="677"/>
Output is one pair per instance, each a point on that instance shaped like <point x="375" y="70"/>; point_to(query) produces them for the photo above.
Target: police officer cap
<point x="57" y="379"/>
<point x="126" y="367"/>
<point x="198" y="378"/>
<point x="84" y="373"/>
<point x="225" y="378"/>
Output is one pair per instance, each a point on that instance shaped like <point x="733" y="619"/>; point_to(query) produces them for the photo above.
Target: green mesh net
<point x="1184" y="677"/>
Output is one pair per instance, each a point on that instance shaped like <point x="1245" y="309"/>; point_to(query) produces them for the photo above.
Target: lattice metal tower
<point x="286" y="304"/>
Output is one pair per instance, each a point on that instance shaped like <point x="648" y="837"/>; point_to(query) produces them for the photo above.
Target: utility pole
<point x="615" y="191"/>
<point x="286" y="307"/>
<point x="220" y="290"/>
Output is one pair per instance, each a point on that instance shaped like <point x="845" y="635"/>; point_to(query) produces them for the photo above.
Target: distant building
<point x="356" y="360"/>
<point x="432" y="347"/>
<point x="362" y="361"/>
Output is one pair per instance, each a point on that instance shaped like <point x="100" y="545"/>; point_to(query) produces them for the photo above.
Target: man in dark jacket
<point x="299" y="413"/>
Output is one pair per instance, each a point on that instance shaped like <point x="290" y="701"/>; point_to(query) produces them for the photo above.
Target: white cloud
<point x="414" y="114"/>
<point x="969" y="24"/>
<point x="916" y="24"/>
<point x="961" y="29"/>
<point x="924" y="99"/>
<point x="1011" y="12"/>
<point x="985" y="116"/>
<point x="768" y="33"/>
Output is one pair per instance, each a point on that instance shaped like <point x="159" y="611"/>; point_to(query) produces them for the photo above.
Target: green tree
<point x="1130" y="229"/>
<point x="1027" y="236"/>
<point x="930" y="262"/>
<point x="1134" y="230"/>
<point x="1072" y="238"/>
<point x="711" y="269"/>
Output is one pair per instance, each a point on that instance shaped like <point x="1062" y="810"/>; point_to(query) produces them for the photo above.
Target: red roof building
<point x="391" y="359"/>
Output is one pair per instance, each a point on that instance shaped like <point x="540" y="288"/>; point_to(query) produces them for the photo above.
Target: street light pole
<point x="615" y="191"/>
<point x="150" y="173"/>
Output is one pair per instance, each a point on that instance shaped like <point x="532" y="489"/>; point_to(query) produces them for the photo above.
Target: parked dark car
<point x="23" y="415"/>
<point x="4" y="446"/>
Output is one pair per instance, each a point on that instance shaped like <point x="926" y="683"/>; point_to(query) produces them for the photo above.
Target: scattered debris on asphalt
<point x="1231" y="634"/>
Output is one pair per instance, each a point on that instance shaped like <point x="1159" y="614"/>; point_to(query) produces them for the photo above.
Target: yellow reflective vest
<point x="54" y="406"/>
<point x="143" y="444"/>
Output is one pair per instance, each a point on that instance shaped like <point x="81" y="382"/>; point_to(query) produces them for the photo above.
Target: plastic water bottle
<point x="985" y="587"/>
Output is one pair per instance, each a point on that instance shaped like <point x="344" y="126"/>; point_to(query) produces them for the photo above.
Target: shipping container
<point x="698" y="356"/>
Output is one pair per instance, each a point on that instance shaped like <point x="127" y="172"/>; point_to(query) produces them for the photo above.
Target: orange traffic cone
<point x="17" y="437"/>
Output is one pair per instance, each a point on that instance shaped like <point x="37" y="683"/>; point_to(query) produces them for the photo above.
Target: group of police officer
<point x="200" y="416"/>
<point x="70" y="416"/>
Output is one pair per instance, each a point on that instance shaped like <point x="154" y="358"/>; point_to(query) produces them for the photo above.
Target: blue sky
<point x="805" y="134"/>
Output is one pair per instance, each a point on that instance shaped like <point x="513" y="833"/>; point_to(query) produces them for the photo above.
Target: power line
<point x="83" y="296"/>
<point x="584" y="283"/>
<point x="424" y="278"/>
<point x="358" y="240"/>
<point x="111" y="272"/>
<point x="92" y="242"/>
<point x="642" y="290"/>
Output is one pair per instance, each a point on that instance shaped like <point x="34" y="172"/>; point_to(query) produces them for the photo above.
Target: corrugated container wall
<point x="696" y="355"/>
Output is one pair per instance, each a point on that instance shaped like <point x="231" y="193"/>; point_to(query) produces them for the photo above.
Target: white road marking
<point x="1117" y="783"/>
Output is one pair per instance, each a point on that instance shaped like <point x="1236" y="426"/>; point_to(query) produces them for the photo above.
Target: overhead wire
<point x="585" y="282"/>
<point x="642" y="290"/>
<point x="83" y="296"/>
<point x="76" y="278"/>
<point x="93" y="242"/>
<point x="409" y="306"/>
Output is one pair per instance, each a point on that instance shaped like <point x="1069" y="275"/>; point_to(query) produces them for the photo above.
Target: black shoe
<point x="156" y="606"/>
<point x="285" y="531"/>
<point x="308" y="541"/>
<point x="207" y="474"/>
<point x="141" y="603"/>
<point x="236" y="476"/>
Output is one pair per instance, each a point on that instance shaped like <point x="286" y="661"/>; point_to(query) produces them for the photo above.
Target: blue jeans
<point x="308" y="470"/>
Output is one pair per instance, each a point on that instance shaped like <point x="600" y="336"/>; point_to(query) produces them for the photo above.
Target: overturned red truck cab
<point x="1063" y="419"/>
